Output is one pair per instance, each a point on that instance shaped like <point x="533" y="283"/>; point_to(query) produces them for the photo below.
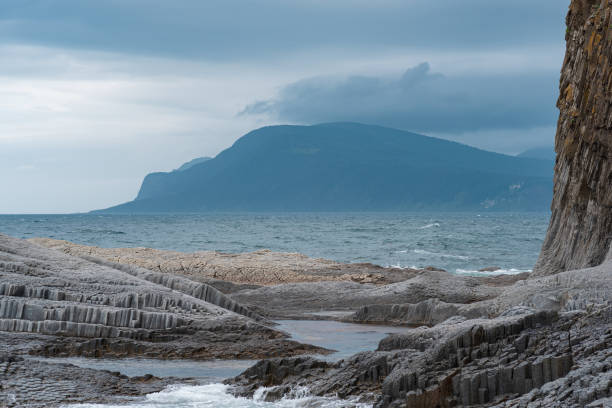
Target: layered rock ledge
<point x="55" y="304"/>
<point x="244" y="270"/>
<point x="541" y="343"/>
<point x="279" y="285"/>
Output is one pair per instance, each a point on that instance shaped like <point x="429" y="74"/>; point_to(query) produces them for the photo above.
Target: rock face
<point x="30" y="383"/>
<point x="580" y="228"/>
<point x="523" y="357"/>
<point x="55" y="304"/>
<point x="541" y="342"/>
<point x="297" y="299"/>
<point x="426" y="313"/>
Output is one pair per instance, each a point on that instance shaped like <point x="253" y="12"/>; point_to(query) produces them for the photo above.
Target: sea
<point x="461" y="243"/>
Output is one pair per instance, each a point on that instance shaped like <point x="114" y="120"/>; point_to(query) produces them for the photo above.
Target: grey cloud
<point x="420" y="100"/>
<point x="235" y="29"/>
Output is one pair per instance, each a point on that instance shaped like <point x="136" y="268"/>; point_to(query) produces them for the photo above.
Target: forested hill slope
<point x="347" y="167"/>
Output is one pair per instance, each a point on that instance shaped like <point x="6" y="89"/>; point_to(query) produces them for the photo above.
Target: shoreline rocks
<point x="300" y="300"/>
<point x="36" y="384"/>
<point x="522" y="357"/>
<point x="55" y="304"/>
<point x="480" y="340"/>
<point x="236" y="271"/>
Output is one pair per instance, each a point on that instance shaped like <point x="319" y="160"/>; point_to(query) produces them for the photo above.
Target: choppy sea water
<point x="457" y="242"/>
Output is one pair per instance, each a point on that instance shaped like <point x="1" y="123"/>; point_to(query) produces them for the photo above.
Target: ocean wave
<point x="441" y="255"/>
<point x="433" y="225"/>
<point x="102" y="231"/>
<point x="400" y="266"/>
<point x="216" y="395"/>
<point x="510" y="271"/>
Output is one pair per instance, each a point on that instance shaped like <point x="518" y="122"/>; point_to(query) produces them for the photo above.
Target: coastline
<point x="57" y="302"/>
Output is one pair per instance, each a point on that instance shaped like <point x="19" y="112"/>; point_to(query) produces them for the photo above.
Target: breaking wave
<point x="511" y="271"/>
<point x="433" y="225"/>
<point x="217" y="396"/>
<point x="441" y="255"/>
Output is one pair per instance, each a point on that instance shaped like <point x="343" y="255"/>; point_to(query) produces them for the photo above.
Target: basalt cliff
<point x="580" y="231"/>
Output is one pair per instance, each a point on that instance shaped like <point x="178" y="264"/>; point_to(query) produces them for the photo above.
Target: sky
<point x="96" y="94"/>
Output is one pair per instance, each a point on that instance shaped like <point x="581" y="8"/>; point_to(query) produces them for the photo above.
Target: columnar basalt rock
<point x="54" y="304"/>
<point x="426" y="313"/>
<point x="36" y="384"/>
<point x="479" y="362"/>
<point x="580" y="231"/>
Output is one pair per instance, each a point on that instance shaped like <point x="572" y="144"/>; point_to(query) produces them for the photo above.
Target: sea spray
<point x="511" y="271"/>
<point x="217" y="396"/>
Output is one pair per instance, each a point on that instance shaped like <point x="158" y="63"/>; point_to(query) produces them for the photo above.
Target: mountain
<point x="347" y="167"/>
<point x="192" y="163"/>
<point x="542" y="153"/>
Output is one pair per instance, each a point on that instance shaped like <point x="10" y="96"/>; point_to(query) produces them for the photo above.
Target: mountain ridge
<point x="347" y="166"/>
<point x="541" y="153"/>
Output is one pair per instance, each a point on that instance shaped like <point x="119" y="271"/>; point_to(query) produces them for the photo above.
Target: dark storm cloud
<point x="420" y="100"/>
<point x="232" y="29"/>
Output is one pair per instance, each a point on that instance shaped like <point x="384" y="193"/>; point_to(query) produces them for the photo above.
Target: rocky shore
<point x="230" y="272"/>
<point x="540" y="340"/>
<point x="543" y="342"/>
<point x="504" y="340"/>
<point x="53" y="304"/>
<point x="281" y="285"/>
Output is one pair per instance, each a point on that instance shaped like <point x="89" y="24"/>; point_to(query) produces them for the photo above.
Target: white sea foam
<point x="216" y="396"/>
<point x="511" y="271"/>
<point x="432" y="225"/>
<point x="400" y="266"/>
<point x="441" y="255"/>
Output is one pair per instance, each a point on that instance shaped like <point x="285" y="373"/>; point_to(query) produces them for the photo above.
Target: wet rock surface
<point x="543" y="341"/>
<point x="520" y="345"/>
<point x="512" y="360"/>
<point x="426" y="313"/>
<point x="29" y="383"/>
<point x="295" y="286"/>
<point x="54" y="304"/>
<point x="299" y="300"/>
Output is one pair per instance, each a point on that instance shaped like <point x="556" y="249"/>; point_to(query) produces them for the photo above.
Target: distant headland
<point x="347" y="167"/>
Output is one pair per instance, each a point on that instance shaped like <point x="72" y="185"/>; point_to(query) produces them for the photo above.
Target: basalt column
<point x="580" y="231"/>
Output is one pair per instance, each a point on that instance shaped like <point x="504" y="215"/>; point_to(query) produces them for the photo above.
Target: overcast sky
<point x="96" y="94"/>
